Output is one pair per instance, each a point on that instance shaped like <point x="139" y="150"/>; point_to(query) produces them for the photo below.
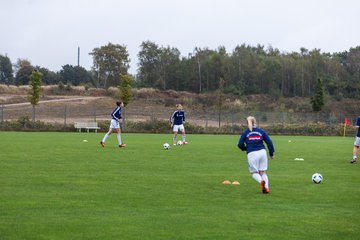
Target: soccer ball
<point x="179" y="143"/>
<point x="166" y="146"/>
<point x="317" y="178"/>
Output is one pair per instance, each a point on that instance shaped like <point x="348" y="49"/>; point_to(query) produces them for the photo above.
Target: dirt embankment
<point x="146" y="99"/>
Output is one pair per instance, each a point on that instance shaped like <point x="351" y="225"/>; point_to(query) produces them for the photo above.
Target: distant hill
<point x="168" y="99"/>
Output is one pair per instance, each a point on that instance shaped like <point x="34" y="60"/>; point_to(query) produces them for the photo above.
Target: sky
<point x="48" y="33"/>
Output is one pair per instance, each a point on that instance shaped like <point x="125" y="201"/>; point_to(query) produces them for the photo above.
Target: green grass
<point x="55" y="186"/>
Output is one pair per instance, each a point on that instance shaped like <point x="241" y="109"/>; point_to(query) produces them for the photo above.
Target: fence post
<point x="152" y="116"/>
<point x="94" y="114"/>
<point x="206" y="121"/>
<point x="284" y="118"/>
<point x="124" y="119"/>
<point x="2" y="113"/>
<point x="232" y="122"/>
<point x="65" y="116"/>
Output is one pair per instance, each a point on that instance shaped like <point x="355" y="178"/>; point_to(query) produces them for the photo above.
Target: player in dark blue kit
<point x="115" y="124"/>
<point x="251" y="141"/>
<point x="177" y="121"/>
<point x="357" y="141"/>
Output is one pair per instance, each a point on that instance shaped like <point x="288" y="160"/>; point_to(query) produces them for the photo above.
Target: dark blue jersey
<point x="178" y="117"/>
<point x="253" y="141"/>
<point x="116" y="114"/>
<point x="358" y="125"/>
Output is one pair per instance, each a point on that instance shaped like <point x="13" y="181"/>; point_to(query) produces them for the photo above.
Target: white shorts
<point x="357" y="141"/>
<point x="180" y="127"/>
<point x="257" y="161"/>
<point x="114" y="124"/>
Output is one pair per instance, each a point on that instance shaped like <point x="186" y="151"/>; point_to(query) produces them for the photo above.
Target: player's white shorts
<point x="357" y="141"/>
<point x="114" y="124"/>
<point x="180" y="127"/>
<point x="257" y="161"/>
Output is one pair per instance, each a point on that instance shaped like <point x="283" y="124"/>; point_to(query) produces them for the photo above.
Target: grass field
<point x="56" y="186"/>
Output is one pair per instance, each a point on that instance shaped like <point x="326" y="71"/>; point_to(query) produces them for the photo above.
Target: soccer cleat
<point x="184" y="142"/>
<point x="122" y="145"/>
<point x="266" y="190"/>
<point x="174" y="143"/>
<point x="102" y="144"/>
<point x="353" y="160"/>
<point x="262" y="185"/>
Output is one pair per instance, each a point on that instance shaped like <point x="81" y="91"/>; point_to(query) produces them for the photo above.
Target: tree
<point x="109" y="62"/>
<point x="125" y="92"/>
<point x="169" y="62"/>
<point x="6" y="71"/>
<point x="125" y="88"/>
<point x="75" y="75"/>
<point x="24" y="70"/>
<point x="270" y="74"/>
<point x="149" y="64"/>
<point x="199" y="59"/>
<point x="353" y="66"/>
<point x="317" y="100"/>
<point x="49" y="77"/>
<point x="220" y="99"/>
<point x="34" y="89"/>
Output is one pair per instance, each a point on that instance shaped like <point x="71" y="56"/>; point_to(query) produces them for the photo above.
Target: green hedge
<point x="159" y="126"/>
<point x="25" y="124"/>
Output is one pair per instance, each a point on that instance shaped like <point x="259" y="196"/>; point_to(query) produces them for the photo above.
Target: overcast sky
<point x="49" y="32"/>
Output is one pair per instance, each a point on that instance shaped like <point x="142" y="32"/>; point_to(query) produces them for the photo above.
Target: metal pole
<point x="2" y="113"/>
<point x="65" y="116"/>
<point x="232" y="121"/>
<point x="78" y="62"/>
<point x="206" y="121"/>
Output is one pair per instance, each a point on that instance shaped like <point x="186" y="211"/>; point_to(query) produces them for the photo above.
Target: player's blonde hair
<point x="251" y="121"/>
<point x="179" y="106"/>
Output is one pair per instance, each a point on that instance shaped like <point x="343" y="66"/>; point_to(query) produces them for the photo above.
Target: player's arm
<point x="172" y="119"/>
<point x="241" y="142"/>
<point x="120" y="113"/>
<point x="269" y="144"/>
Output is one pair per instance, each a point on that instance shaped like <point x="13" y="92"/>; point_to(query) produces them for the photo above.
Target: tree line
<point x="245" y="70"/>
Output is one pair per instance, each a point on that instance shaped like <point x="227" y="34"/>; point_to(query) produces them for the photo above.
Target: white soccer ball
<point x="317" y="178"/>
<point x="166" y="146"/>
<point x="179" y="143"/>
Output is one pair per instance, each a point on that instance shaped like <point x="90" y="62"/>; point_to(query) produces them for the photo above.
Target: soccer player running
<point x="115" y="124"/>
<point x="177" y="121"/>
<point x="357" y="141"/>
<point x="251" y="141"/>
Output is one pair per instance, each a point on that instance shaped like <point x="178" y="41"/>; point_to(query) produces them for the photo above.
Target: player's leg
<point x="174" y="138"/>
<point x="183" y="134"/>
<point x="117" y="127"/>
<point x="253" y="166"/>
<point x="355" y="149"/>
<point x="264" y="185"/>
<point x="175" y="132"/>
<point x="263" y="165"/>
<point x="256" y="176"/>
<point x="355" y="153"/>
<point x="105" y="137"/>
<point x="121" y="144"/>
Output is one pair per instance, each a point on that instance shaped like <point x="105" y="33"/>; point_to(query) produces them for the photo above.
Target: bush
<point x="61" y="86"/>
<point x="316" y="129"/>
<point x="161" y="126"/>
<point x="25" y="124"/>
